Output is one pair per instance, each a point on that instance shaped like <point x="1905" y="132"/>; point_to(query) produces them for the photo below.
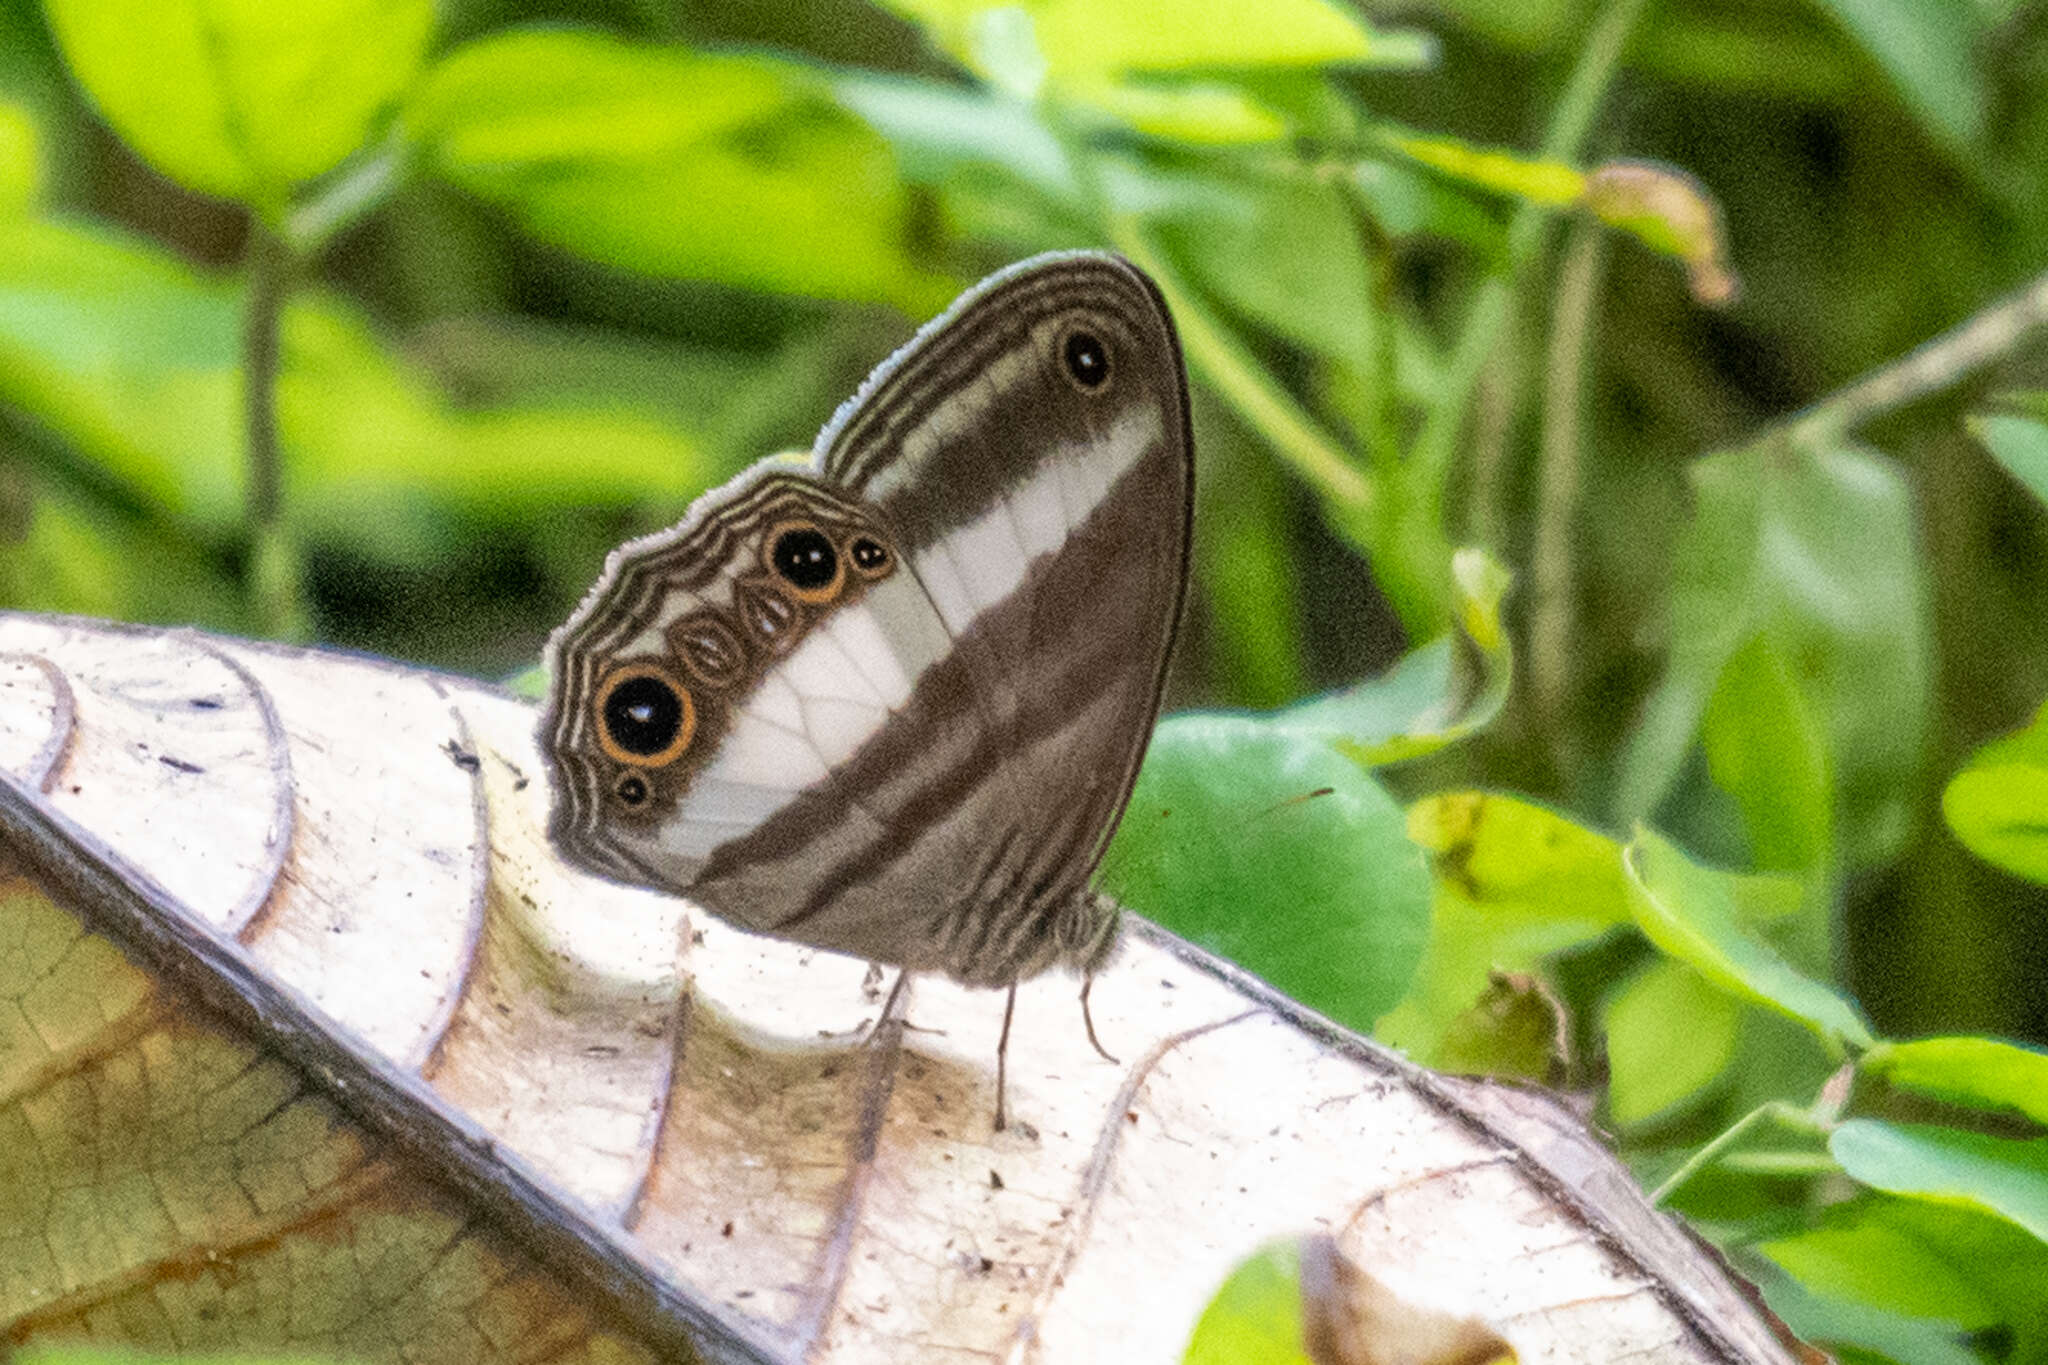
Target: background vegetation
<point x="375" y="323"/>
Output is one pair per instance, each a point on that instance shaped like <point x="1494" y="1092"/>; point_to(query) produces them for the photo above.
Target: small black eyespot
<point x="632" y="790"/>
<point x="805" y="557"/>
<point x="870" y="555"/>
<point x="643" y="715"/>
<point x="1087" y="359"/>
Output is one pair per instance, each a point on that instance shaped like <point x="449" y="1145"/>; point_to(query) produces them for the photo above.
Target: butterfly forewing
<point x="924" y="767"/>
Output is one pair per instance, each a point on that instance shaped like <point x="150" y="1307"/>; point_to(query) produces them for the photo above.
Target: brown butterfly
<point x="892" y="702"/>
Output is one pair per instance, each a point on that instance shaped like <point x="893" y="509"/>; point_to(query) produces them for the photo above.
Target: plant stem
<point x="1569" y="123"/>
<point x="277" y="602"/>
<point x="359" y="187"/>
<point x="1985" y="337"/>
<point x="1782" y="1111"/>
<point x="1551" y="606"/>
<point x="1267" y="407"/>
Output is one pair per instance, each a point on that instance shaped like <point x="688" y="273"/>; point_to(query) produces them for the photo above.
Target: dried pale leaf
<point x="309" y="1044"/>
<point x="1672" y="212"/>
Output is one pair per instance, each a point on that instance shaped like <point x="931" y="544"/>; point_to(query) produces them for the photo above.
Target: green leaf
<point x="1696" y="915"/>
<point x="1436" y="696"/>
<point x="1818" y="549"/>
<point x="377" y="457"/>
<point x="79" y="557"/>
<point x="723" y="167"/>
<point x="2018" y="443"/>
<point x="243" y="98"/>
<point x="1244" y="569"/>
<point x="1255" y="1316"/>
<point x="1408" y="202"/>
<point x="1552" y="184"/>
<point x="1201" y="112"/>
<point x="131" y="357"/>
<point x="1670" y="1036"/>
<point x="1518" y="858"/>
<point x="1280" y="248"/>
<point x="1998" y="804"/>
<point x="1867" y="1333"/>
<point x="1966" y="1270"/>
<point x="1277" y="852"/>
<point x="1514" y="883"/>
<point x="2007" y="1177"/>
<point x="1986" y="1072"/>
<point x="1765" y="749"/>
<point x="1081" y="37"/>
<point x="21" y="160"/>
<point x="943" y="131"/>
<point x="1927" y="48"/>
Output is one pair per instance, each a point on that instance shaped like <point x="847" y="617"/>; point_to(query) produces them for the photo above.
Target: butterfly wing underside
<point x="929" y="774"/>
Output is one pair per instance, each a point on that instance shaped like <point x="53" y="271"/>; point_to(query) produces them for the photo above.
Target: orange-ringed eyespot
<point x="804" y="557"/>
<point x="869" y="555"/>
<point x="644" y="716"/>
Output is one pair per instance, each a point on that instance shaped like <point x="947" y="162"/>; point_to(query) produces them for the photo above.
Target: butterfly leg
<point x="888" y="1005"/>
<point x="1088" y="1021"/>
<point x="1003" y="1056"/>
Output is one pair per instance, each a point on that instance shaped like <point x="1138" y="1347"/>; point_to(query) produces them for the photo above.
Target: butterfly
<point x="891" y="701"/>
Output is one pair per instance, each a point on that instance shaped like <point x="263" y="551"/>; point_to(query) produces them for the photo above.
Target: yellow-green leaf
<point x="723" y="167"/>
<point x="1081" y="36"/>
<point x="1999" y="1175"/>
<point x="1766" y="749"/>
<point x="1670" y="1036"/>
<point x="1550" y="183"/>
<point x="1998" y="804"/>
<point x="1987" y="1072"/>
<point x="1696" y="914"/>
<point x="21" y="162"/>
<point x="243" y="98"/>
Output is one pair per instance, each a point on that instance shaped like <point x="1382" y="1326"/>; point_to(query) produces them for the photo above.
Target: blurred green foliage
<point x="378" y="321"/>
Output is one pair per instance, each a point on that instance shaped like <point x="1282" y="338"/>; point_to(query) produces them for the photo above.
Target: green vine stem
<point x="1258" y="398"/>
<point x="1784" y="1112"/>
<point x="1987" y="336"/>
<point x="1570" y="121"/>
<point x="277" y="598"/>
<point x="1552" y="606"/>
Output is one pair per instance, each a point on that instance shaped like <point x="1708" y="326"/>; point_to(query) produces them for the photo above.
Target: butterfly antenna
<point x="1088" y="1021"/>
<point x="1003" y="1057"/>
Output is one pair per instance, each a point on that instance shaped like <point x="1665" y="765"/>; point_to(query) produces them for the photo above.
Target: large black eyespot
<point x="644" y="718"/>
<point x="1087" y="359"/>
<point x="805" y="558"/>
<point x="869" y="555"/>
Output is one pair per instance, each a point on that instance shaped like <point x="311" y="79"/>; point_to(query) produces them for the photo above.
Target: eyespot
<point x="804" y="557"/>
<point x="632" y="789"/>
<point x="1087" y="359"/>
<point x="869" y="555"/>
<point x="644" y="717"/>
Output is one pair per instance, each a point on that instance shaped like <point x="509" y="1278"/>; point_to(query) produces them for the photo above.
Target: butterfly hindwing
<point x="926" y="771"/>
